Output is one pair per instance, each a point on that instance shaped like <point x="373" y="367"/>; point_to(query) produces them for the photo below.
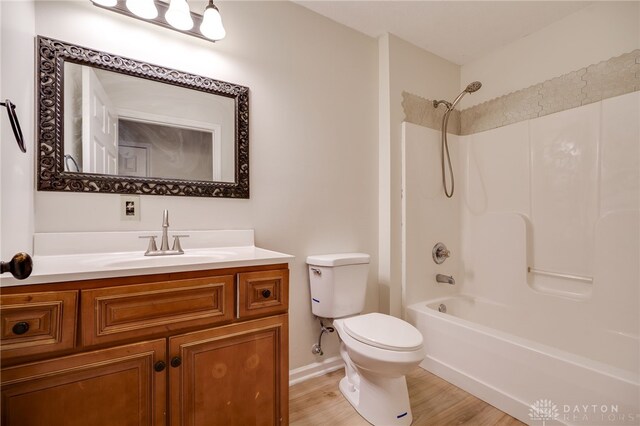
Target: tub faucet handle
<point x="440" y="253"/>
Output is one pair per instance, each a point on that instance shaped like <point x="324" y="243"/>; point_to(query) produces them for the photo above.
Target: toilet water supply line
<point x="316" y="349"/>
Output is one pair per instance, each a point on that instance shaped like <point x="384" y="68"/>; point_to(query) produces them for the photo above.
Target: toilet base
<point x="380" y="400"/>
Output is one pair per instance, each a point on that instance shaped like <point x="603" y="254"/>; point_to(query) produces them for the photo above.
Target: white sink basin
<point x="174" y="259"/>
<point x="164" y="260"/>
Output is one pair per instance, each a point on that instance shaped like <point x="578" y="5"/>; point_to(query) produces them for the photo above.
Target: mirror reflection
<point x="117" y="124"/>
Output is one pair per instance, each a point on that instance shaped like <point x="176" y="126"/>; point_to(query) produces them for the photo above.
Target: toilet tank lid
<point x="339" y="259"/>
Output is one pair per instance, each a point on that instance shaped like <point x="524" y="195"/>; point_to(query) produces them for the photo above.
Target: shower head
<point x="473" y="87"/>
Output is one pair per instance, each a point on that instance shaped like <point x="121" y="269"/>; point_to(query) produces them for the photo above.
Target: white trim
<point x="164" y="120"/>
<point x="216" y="162"/>
<point x="315" y="369"/>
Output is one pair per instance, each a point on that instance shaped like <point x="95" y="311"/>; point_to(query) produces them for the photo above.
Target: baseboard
<point x="315" y="369"/>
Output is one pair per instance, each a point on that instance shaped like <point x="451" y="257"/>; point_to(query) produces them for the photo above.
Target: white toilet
<point x="378" y="350"/>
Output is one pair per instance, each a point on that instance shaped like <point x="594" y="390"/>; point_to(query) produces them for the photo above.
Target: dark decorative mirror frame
<point x="52" y="176"/>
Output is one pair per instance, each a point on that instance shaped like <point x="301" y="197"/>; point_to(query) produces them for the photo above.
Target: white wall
<point x="16" y="170"/>
<point x="406" y="68"/>
<point x="591" y="35"/>
<point x="313" y="152"/>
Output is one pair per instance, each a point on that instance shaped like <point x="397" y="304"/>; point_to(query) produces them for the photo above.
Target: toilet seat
<point x="383" y="331"/>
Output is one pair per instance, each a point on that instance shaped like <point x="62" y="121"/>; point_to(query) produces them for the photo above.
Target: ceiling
<point x="459" y="31"/>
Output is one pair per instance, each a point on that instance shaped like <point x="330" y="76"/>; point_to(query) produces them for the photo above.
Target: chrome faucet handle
<point x="176" y="243"/>
<point x="443" y="252"/>
<point x="165" y="218"/>
<point x="440" y="253"/>
<point x="152" y="243"/>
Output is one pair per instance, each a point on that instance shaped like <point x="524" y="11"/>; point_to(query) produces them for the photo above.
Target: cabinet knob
<point x="20" y="328"/>
<point x="266" y="293"/>
<point x="159" y="366"/>
<point x="176" y="361"/>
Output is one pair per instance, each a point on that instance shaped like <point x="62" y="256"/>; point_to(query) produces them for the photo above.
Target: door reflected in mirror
<point x="122" y="125"/>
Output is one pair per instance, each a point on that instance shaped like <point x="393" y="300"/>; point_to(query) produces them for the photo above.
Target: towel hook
<point x="15" y="124"/>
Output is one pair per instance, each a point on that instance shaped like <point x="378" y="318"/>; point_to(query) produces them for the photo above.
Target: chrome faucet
<point x="447" y="279"/>
<point x="152" y="250"/>
<point x="164" y="245"/>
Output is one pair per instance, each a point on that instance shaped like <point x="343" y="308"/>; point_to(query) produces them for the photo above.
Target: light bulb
<point x="107" y="3"/>
<point x="145" y="9"/>
<point x="211" y="26"/>
<point x="179" y="15"/>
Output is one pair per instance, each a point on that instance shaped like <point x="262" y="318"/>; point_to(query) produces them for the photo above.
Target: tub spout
<point x="448" y="279"/>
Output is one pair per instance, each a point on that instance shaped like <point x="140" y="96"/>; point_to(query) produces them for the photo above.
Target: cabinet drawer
<point x="264" y="292"/>
<point x="37" y="323"/>
<point x="140" y="311"/>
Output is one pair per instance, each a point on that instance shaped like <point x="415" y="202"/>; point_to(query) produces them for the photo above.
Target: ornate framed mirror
<point x="110" y="124"/>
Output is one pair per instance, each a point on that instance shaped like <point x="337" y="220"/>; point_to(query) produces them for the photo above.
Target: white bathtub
<point x="513" y="361"/>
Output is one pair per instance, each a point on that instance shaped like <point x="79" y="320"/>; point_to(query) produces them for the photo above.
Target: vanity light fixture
<point x="175" y="15"/>
<point x="179" y="15"/>
<point x="211" y="25"/>
<point x="144" y="9"/>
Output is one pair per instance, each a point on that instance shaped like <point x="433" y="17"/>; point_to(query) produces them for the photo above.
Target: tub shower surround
<point x="543" y="232"/>
<point x="593" y="83"/>
<point x="554" y="193"/>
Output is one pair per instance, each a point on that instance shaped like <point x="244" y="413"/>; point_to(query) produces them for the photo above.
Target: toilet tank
<point x="338" y="283"/>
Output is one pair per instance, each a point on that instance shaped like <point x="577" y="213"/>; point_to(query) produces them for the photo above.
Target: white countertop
<point x="73" y="266"/>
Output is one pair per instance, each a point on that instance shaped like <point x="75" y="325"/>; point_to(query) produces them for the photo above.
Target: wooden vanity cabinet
<point x="171" y="349"/>
<point x="107" y="387"/>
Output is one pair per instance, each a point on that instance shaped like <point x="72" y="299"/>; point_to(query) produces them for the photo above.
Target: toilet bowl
<point x="378" y="350"/>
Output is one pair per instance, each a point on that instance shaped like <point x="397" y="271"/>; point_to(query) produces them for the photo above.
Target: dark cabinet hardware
<point x="20" y="328"/>
<point x="20" y="266"/>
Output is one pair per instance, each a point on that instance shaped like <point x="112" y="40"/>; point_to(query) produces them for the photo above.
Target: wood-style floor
<point x="434" y="402"/>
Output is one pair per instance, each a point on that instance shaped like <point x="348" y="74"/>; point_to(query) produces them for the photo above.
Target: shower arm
<point x="456" y="100"/>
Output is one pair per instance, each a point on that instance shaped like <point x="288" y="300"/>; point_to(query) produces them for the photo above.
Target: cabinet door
<point x="116" y="386"/>
<point x="232" y="375"/>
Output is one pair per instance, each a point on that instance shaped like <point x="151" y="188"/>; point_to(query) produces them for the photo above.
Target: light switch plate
<point x="130" y="207"/>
